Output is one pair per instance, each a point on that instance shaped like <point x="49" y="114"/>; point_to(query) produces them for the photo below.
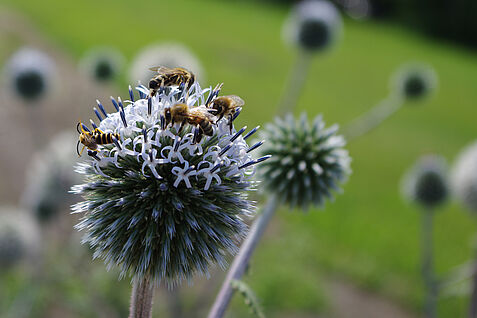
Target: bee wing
<point x="160" y="69"/>
<point x="200" y="112"/>
<point x="238" y="102"/>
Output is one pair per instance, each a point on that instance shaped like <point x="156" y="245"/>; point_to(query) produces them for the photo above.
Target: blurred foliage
<point x="455" y="20"/>
<point x="368" y="235"/>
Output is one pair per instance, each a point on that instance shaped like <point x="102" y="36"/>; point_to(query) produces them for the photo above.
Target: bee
<point x="170" y="76"/>
<point x="91" y="140"/>
<point x="226" y="106"/>
<point x="197" y="117"/>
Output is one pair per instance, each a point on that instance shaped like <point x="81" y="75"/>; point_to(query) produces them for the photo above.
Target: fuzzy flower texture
<point x="157" y="203"/>
<point x="309" y="161"/>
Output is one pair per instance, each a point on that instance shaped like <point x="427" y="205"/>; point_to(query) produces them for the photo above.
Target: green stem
<point x="141" y="299"/>
<point x="295" y="83"/>
<point x="428" y="264"/>
<point x="241" y="261"/>
<point x="473" y="296"/>
<point x="373" y="118"/>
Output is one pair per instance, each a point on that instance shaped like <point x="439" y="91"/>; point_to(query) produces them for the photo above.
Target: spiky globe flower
<point x="159" y="203"/>
<point x="426" y="182"/>
<point x="313" y="25"/>
<point x="414" y="81"/>
<point x="308" y="161"/>
<point x="49" y="178"/>
<point x="464" y="177"/>
<point x="166" y="54"/>
<point x="30" y="73"/>
<point x="18" y="236"/>
<point x="102" y="64"/>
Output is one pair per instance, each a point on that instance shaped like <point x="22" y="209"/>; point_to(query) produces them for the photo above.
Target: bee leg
<point x="199" y="136"/>
<point x="82" y="149"/>
<point x="230" y="123"/>
<point x="182" y="126"/>
<point x="97" y="131"/>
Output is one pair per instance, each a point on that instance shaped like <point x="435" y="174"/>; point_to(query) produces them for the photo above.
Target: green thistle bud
<point x="160" y="203"/>
<point x="30" y="73"/>
<point x="49" y="178"/>
<point x="414" y="81"/>
<point x="102" y="64"/>
<point x="308" y="161"/>
<point x="426" y="182"/>
<point x="313" y="25"/>
<point x="18" y="236"/>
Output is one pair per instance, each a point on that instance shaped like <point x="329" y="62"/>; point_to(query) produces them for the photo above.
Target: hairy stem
<point x="428" y="264"/>
<point x="141" y="299"/>
<point x="373" y="118"/>
<point x="241" y="261"/>
<point x="295" y="83"/>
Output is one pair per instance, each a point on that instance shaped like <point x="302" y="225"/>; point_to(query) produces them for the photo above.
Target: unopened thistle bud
<point x="464" y="177"/>
<point x="102" y="64"/>
<point x="30" y="73"/>
<point x="18" y="236"/>
<point x="308" y="161"/>
<point x="426" y="182"/>
<point x="161" y="202"/>
<point x="313" y="25"/>
<point x="49" y="178"/>
<point x="414" y="81"/>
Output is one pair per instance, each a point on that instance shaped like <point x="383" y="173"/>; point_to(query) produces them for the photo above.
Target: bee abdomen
<point x="206" y="127"/>
<point x="103" y="139"/>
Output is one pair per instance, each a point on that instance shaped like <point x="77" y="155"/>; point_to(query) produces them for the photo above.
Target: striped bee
<point x="197" y="117"/>
<point x="91" y="140"/>
<point x="226" y="106"/>
<point x="170" y="76"/>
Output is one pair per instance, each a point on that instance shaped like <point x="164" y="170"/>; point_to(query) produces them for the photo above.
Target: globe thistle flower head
<point x="30" y="73"/>
<point x="167" y="54"/>
<point x="464" y="177"/>
<point x="308" y="161"/>
<point x="102" y="64"/>
<point x="426" y="182"/>
<point x="18" y="236"/>
<point x="159" y="202"/>
<point x="49" y="178"/>
<point x="414" y="81"/>
<point x="313" y="25"/>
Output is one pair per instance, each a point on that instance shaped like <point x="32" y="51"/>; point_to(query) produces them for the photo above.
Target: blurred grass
<point x="368" y="234"/>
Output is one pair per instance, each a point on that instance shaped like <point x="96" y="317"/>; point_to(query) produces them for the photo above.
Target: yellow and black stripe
<point x="105" y="138"/>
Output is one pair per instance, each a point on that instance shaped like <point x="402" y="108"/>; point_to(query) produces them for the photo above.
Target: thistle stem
<point x="428" y="264"/>
<point x="373" y="118"/>
<point x="473" y="296"/>
<point x="295" y="82"/>
<point x="141" y="299"/>
<point x="241" y="261"/>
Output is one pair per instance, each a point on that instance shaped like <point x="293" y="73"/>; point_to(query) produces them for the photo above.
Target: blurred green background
<point x="367" y="242"/>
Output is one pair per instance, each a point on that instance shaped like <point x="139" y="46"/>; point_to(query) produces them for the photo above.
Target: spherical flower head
<point x="103" y="63"/>
<point x="158" y="202"/>
<point x="307" y="163"/>
<point x="49" y="178"/>
<point x="18" y="236"/>
<point x="313" y="25"/>
<point x="414" y="81"/>
<point x="464" y="177"/>
<point x="426" y="182"/>
<point x="167" y="54"/>
<point x="30" y="73"/>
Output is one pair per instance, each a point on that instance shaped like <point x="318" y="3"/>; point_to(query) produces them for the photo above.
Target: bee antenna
<point x="77" y="127"/>
<point x="77" y="150"/>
